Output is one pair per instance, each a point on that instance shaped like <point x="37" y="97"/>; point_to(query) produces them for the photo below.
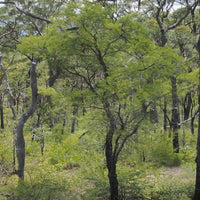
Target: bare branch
<point x="187" y="120"/>
<point x="11" y="98"/>
<point x="9" y="32"/>
<point x="26" y="12"/>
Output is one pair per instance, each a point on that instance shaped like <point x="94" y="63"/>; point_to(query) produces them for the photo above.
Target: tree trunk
<point x="20" y="142"/>
<point x="175" y="122"/>
<point x="111" y="165"/>
<point x="187" y="105"/>
<point x="165" y="115"/>
<point x="75" y="111"/>
<point x="54" y="73"/>
<point x="1" y="112"/>
<point x="110" y="156"/>
<point x="163" y="37"/>
<point x="153" y="113"/>
<point x="197" y="184"/>
<point x="112" y="175"/>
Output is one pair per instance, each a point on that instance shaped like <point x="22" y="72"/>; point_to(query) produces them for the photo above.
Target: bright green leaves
<point x="111" y="56"/>
<point x="32" y="45"/>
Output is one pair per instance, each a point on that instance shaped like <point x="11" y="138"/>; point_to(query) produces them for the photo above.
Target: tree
<point x="114" y="57"/>
<point x="20" y="142"/>
<point x="161" y="15"/>
<point x="197" y="183"/>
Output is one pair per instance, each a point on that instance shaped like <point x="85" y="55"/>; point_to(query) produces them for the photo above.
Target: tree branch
<point x="11" y="98"/>
<point x="125" y="139"/>
<point x="26" y="12"/>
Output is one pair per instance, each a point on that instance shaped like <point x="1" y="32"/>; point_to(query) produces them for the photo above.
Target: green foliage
<point x="162" y="153"/>
<point x="102" y="55"/>
<point x="173" y="190"/>
<point x="43" y="185"/>
<point x="6" y="142"/>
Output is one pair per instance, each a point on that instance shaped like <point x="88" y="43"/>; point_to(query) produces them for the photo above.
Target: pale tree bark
<point x="20" y="142"/>
<point x="11" y="98"/>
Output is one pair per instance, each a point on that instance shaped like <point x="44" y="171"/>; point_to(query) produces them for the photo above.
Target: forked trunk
<point x="20" y="142"/>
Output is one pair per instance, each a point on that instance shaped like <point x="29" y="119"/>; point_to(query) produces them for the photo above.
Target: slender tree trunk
<point x="153" y="113"/>
<point x="175" y="116"/>
<point x="165" y="115"/>
<point x="75" y="111"/>
<point x="1" y="111"/>
<point x="187" y="105"/>
<point x="64" y="124"/>
<point x="192" y="125"/>
<point x="20" y="142"/>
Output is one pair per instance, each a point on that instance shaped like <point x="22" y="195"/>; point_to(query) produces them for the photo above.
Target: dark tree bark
<point x="110" y="156"/>
<point x="197" y="183"/>
<point x="192" y="123"/>
<point x="20" y="142"/>
<point x="165" y="115"/>
<point x="175" y="122"/>
<point x="153" y="113"/>
<point x="54" y="73"/>
<point x="1" y="111"/>
<point x="75" y="111"/>
<point x="187" y="105"/>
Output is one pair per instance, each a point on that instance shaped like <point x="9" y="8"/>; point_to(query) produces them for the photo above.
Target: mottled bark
<point x="20" y="142"/>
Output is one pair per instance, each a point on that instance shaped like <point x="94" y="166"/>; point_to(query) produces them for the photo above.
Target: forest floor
<point x="172" y="182"/>
<point x="178" y="172"/>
